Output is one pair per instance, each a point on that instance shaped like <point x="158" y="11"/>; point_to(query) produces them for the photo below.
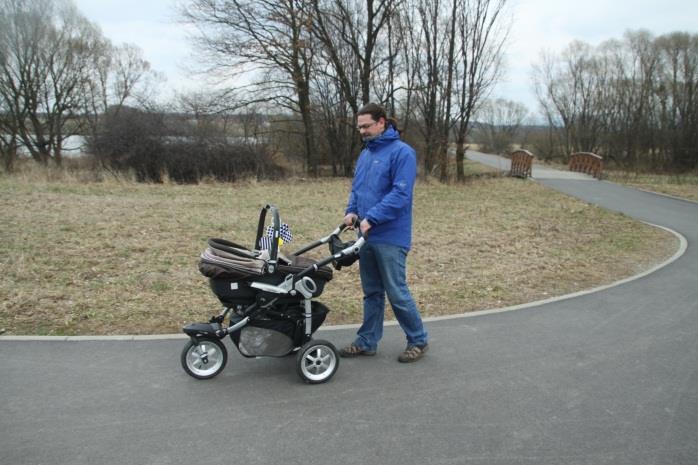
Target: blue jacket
<point x="382" y="189"/>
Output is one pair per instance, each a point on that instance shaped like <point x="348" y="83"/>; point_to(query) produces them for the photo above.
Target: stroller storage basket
<point x="278" y="333"/>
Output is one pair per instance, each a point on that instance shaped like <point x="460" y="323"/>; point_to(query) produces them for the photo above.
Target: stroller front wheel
<point x="317" y="362"/>
<point x="204" y="358"/>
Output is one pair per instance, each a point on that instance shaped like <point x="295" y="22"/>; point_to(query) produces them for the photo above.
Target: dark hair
<point x="377" y="112"/>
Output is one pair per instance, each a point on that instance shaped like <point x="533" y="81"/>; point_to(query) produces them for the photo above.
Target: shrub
<point x="137" y="141"/>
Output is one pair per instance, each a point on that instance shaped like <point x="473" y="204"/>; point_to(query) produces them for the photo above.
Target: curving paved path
<point x="605" y="378"/>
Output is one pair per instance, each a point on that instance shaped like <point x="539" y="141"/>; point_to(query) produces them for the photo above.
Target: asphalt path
<point x="608" y="377"/>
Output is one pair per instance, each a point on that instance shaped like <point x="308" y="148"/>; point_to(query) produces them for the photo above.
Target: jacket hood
<point x="388" y="136"/>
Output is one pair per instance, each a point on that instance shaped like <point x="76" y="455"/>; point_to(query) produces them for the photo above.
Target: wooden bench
<point x="587" y="163"/>
<point x="521" y="161"/>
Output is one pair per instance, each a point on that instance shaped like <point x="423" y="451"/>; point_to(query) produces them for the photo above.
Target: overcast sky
<point x="536" y="25"/>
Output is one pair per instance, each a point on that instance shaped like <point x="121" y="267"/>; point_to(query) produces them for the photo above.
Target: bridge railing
<point x="587" y="163"/>
<point x="521" y="163"/>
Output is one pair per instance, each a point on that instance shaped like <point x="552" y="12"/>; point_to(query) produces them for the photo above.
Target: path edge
<point x="683" y="246"/>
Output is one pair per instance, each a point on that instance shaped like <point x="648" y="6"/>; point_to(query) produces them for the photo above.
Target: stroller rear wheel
<point x="317" y="362"/>
<point x="204" y="358"/>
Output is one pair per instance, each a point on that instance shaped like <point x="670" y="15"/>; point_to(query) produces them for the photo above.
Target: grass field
<point x="121" y="258"/>
<point x="684" y="186"/>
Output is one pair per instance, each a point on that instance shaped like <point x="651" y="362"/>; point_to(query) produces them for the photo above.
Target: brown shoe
<point x="354" y="351"/>
<point x="413" y="353"/>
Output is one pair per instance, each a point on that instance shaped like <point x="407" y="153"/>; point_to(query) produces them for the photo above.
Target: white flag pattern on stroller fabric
<point x="284" y="236"/>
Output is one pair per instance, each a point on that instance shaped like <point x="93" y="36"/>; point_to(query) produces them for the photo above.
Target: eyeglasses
<point x="365" y="126"/>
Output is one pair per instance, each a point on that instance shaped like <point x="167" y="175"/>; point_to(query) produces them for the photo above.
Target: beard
<point x="370" y="138"/>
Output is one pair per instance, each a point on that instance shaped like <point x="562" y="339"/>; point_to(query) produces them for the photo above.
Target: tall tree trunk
<point x="309" y="134"/>
<point x="443" y="176"/>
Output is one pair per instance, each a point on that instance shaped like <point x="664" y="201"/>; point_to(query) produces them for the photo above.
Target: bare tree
<point x="355" y="63"/>
<point x="206" y="112"/>
<point x="633" y="99"/>
<point x="483" y="32"/>
<point x="271" y="38"/>
<point x="52" y="61"/>
<point x="13" y="108"/>
<point x="450" y="67"/>
<point x="49" y="58"/>
<point x="357" y="26"/>
<point x="678" y="95"/>
<point x="336" y="120"/>
<point x="408" y="40"/>
<point x="557" y="89"/>
<point x="9" y="134"/>
<point x="626" y="101"/>
<point x="430" y="60"/>
<point x="500" y="124"/>
<point x="119" y="76"/>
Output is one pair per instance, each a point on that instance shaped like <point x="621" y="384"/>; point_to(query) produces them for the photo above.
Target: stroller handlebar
<point x="352" y="249"/>
<point x="337" y="231"/>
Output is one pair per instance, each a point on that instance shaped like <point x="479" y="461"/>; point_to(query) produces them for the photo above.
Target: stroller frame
<point x="205" y="355"/>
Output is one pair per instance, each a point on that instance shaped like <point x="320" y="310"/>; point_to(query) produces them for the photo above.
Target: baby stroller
<point x="267" y="299"/>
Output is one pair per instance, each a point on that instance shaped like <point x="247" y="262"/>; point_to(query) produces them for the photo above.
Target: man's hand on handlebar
<point x="364" y="226"/>
<point x="350" y="220"/>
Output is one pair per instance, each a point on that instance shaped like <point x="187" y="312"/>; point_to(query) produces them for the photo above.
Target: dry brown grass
<point x="682" y="185"/>
<point x="121" y="258"/>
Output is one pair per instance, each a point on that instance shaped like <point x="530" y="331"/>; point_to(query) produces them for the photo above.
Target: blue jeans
<point x="382" y="268"/>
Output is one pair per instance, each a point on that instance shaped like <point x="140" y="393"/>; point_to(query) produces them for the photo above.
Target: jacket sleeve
<point x="403" y="172"/>
<point x="351" y="204"/>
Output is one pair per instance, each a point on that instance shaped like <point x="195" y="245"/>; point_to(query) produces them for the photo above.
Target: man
<point x="381" y="199"/>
